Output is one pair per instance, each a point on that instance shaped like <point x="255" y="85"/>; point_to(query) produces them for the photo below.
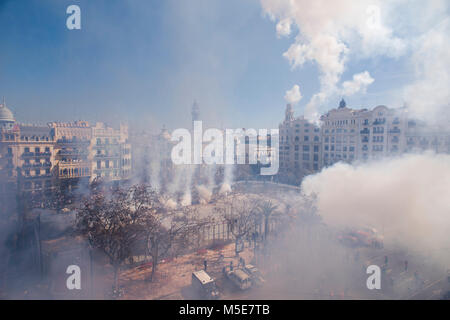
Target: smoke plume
<point x="330" y="33"/>
<point x="406" y="198"/>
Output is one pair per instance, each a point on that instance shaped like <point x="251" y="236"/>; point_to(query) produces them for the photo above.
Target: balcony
<point x="28" y="154"/>
<point x="43" y="154"/>
<point x="72" y="152"/>
<point x="394" y="131"/>
<point x="38" y="176"/>
<point x="37" y="165"/>
<point x="67" y="170"/>
<point x="104" y="156"/>
<point x="72" y="142"/>
<point x="378" y="122"/>
<point x="365" y="131"/>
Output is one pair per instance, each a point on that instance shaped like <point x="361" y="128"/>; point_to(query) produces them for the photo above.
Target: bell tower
<point x="289" y="113"/>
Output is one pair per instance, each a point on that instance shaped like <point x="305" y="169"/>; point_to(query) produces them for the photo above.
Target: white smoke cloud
<point x="284" y="28"/>
<point x="359" y="83"/>
<point x="225" y="188"/>
<point x="294" y="95"/>
<point x="428" y="98"/>
<point x="406" y="197"/>
<point x="204" y="194"/>
<point x="330" y="33"/>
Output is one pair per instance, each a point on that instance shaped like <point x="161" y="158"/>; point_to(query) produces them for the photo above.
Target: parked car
<point x="204" y="285"/>
<point x="255" y="275"/>
<point x="239" y="278"/>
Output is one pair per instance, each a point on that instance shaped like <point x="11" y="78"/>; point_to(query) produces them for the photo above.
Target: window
<point x="306" y="156"/>
<point x="99" y="164"/>
<point x="306" y="148"/>
<point x="305" y="138"/>
<point x="316" y="148"/>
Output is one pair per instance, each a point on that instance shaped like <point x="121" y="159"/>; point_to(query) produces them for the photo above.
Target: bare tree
<point x="172" y="231"/>
<point x="266" y="209"/>
<point x="240" y="215"/>
<point x="114" y="221"/>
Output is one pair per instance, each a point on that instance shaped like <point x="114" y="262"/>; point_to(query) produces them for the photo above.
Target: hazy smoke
<point x="204" y="194"/>
<point x="187" y="195"/>
<point x="428" y="98"/>
<point x="360" y="83"/>
<point x="225" y="188"/>
<point x="407" y="198"/>
<point x="293" y="96"/>
<point x="332" y="32"/>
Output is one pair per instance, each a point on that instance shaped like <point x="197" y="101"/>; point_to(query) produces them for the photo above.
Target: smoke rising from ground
<point x="406" y="198"/>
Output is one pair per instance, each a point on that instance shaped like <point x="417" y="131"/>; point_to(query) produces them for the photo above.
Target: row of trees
<point x="120" y="221"/>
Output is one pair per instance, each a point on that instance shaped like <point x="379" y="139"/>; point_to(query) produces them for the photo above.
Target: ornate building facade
<point x="347" y="135"/>
<point x="35" y="159"/>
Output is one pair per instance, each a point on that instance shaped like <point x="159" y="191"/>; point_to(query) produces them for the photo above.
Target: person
<point x="231" y="265"/>
<point x="385" y="260"/>
<point x="406" y="265"/>
<point x="205" y="264"/>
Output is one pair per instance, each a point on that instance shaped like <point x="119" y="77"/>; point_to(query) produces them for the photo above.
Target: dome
<point x="6" y="114"/>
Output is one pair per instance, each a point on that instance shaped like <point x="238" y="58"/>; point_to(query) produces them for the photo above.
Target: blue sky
<point x="146" y="61"/>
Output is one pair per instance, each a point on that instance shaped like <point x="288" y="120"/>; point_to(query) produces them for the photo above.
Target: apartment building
<point x="34" y="159"/>
<point x="351" y="134"/>
<point x="300" y="151"/>
<point x="347" y="135"/>
<point x="111" y="156"/>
